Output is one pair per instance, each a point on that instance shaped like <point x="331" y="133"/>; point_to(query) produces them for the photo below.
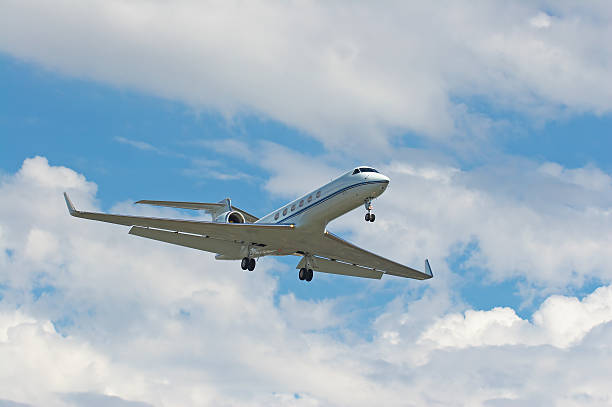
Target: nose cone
<point x="379" y="178"/>
<point x="385" y="183"/>
<point x="375" y="176"/>
<point x="381" y="184"/>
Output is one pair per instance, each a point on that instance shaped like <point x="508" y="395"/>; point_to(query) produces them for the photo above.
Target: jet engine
<point x="230" y="217"/>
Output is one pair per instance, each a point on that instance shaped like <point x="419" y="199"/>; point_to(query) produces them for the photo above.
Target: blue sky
<point x="95" y="129"/>
<point x="500" y="174"/>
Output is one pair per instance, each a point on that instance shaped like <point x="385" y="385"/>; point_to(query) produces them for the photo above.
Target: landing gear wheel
<point x="302" y="274"/>
<point x="369" y="217"/>
<point x="309" y="275"/>
<point x="244" y="264"/>
<point x="251" y="265"/>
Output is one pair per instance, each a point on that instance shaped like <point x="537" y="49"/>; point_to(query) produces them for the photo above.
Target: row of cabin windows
<point x="276" y="216"/>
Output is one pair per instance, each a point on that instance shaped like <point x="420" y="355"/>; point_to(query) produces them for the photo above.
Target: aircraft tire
<point x="302" y="274"/>
<point x="367" y="217"/>
<point x="309" y="275"/>
<point x="244" y="264"/>
<point x="372" y="217"/>
<point x="251" y="265"/>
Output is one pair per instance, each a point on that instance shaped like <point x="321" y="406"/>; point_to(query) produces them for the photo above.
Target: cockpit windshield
<point x="366" y="169"/>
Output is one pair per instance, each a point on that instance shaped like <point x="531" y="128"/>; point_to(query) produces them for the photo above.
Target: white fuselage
<point x="313" y="211"/>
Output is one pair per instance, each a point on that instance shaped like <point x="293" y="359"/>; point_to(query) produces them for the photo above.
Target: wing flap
<point x="204" y="243"/>
<point x="333" y="247"/>
<point x="336" y="267"/>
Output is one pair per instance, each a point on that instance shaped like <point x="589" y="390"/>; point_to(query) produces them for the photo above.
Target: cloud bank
<point x="89" y="314"/>
<point x="340" y="72"/>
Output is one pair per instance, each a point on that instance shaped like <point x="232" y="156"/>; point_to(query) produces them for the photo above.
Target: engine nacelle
<point x="230" y="217"/>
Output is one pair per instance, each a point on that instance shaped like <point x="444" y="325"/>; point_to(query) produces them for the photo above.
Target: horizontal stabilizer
<point x="211" y="208"/>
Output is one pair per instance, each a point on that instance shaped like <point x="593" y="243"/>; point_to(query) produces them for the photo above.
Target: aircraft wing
<point x="228" y="248"/>
<point x="356" y="261"/>
<point x="274" y="235"/>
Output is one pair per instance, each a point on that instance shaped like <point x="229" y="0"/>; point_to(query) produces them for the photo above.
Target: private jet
<point x="297" y="228"/>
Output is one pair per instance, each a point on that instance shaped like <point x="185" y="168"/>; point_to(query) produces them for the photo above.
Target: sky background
<point x="492" y="120"/>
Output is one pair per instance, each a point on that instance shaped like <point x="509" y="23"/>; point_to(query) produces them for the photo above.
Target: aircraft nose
<point x="384" y="178"/>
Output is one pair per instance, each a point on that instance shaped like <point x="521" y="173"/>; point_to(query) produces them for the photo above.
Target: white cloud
<point x="287" y="168"/>
<point x="560" y="321"/>
<point x="214" y="169"/>
<point x="319" y="314"/>
<point x="37" y="360"/>
<point x="349" y="74"/>
<point x="40" y="245"/>
<point x="140" y="145"/>
<point x="541" y="20"/>
<point x="589" y="178"/>
<point x="137" y="321"/>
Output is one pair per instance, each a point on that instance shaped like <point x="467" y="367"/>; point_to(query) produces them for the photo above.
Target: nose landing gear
<point x="369" y="217"/>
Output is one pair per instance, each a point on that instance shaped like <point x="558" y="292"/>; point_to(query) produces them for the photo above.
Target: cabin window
<point x="276" y="216"/>
<point x="310" y="198"/>
<point x="284" y="211"/>
<point x="356" y="171"/>
<point x="301" y="203"/>
<point x="366" y="169"/>
<point x="293" y="207"/>
<point x="318" y="194"/>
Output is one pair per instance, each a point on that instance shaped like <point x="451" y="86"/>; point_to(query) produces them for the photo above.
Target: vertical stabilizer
<point x="228" y="204"/>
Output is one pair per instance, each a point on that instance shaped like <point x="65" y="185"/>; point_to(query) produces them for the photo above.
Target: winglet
<point x="69" y="204"/>
<point x="428" y="268"/>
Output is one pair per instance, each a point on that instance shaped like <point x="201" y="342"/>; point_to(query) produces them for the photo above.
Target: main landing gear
<point x="305" y="274"/>
<point x="247" y="263"/>
<point x="369" y="217"/>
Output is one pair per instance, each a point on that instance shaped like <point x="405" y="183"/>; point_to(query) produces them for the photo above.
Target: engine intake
<point x="230" y="217"/>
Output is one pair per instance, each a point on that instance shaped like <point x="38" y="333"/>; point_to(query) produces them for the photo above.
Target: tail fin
<point x="228" y="204"/>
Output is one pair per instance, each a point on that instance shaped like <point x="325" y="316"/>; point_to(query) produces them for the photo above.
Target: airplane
<point x="297" y="228"/>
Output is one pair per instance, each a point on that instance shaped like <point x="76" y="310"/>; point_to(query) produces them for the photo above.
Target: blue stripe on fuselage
<point x="328" y="197"/>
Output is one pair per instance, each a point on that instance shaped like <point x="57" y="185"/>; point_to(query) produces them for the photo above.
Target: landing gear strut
<point x="247" y="264"/>
<point x="305" y="274"/>
<point x="369" y="217"/>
